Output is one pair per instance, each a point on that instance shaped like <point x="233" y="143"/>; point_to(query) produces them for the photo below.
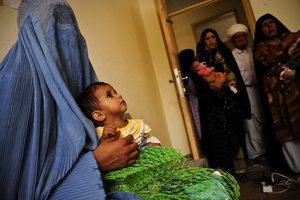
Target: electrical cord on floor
<point x="287" y="183"/>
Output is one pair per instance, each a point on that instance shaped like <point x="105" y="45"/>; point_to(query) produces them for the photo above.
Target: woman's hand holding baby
<point x="216" y="80"/>
<point x="114" y="153"/>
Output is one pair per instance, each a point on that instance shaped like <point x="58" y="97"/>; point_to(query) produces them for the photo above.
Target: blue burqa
<point x="46" y="142"/>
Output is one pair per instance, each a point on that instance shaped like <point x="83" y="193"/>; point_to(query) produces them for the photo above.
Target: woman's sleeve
<point x="264" y="57"/>
<point x="84" y="181"/>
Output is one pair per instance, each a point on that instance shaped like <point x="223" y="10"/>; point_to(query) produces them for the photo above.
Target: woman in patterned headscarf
<point x="221" y="109"/>
<point x="278" y="73"/>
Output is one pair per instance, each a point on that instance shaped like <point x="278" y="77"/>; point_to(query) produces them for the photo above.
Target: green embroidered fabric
<point x="160" y="173"/>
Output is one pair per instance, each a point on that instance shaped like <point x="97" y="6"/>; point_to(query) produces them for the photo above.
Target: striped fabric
<point x="42" y="130"/>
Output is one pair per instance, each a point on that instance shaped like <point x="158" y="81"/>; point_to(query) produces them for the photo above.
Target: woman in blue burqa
<point x="48" y="149"/>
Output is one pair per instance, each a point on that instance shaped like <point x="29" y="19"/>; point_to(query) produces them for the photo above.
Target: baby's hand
<point x="109" y="132"/>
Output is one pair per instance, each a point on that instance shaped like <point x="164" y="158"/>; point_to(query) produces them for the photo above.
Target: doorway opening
<point x="181" y="22"/>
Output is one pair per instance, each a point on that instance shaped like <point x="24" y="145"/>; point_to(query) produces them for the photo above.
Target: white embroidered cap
<point x="235" y="29"/>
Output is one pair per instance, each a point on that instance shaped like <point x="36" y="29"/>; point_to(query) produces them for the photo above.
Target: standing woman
<point x="221" y="107"/>
<point x="280" y="82"/>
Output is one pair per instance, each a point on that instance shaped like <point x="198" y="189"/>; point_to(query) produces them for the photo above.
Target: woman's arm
<point x="265" y="57"/>
<point x="294" y="59"/>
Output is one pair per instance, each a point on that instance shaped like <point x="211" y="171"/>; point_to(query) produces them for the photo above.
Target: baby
<point x="106" y="108"/>
<point x="201" y="68"/>
<point x="215" y="79"/>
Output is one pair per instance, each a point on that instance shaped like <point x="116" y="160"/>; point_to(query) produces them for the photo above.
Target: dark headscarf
<point x="201" y="44"/>
<point x="221" y="47"/>
<point x="186" y="57"/>
<point x="259" y="35"/>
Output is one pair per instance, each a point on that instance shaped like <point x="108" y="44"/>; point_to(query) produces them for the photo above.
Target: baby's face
<point x="196" y="66"/>
<point x="110" y="102"/>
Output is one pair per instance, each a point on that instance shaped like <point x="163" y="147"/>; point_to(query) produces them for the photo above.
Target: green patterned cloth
<point x="159" y="173"/>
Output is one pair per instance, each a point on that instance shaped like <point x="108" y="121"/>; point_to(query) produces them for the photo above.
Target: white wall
<point x="119" y="50"/>
<point x="8" y="29"/>
<point x="163" y="74"/>
<point x="287" y="11"/>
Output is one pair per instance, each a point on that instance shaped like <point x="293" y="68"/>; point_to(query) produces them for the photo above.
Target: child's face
<point x="110" y="102"/>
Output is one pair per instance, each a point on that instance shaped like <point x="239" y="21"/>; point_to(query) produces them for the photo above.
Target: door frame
<point x="172" y="51"/>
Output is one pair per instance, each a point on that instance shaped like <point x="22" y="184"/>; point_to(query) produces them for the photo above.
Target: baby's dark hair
<point x="88" y="102"/>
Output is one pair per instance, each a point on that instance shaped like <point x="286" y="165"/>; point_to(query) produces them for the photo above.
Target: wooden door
<point x="172" y="54"/>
